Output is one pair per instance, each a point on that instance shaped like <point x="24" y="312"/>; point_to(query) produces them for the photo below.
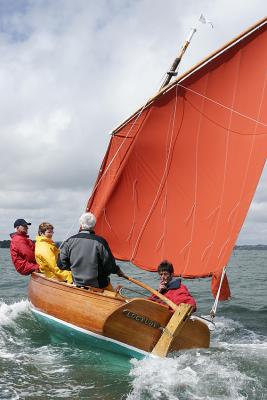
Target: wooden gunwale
<point x="137" y="323"/>
<point x="79" y="291"/>
<point x="84" y="308"/>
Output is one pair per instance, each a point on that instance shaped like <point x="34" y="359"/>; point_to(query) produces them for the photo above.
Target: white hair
<point x="87" y="221"/>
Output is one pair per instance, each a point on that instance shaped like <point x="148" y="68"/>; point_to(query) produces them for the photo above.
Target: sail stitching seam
<point x="250" y="155"/>
<point x="161" y="182"/>
<point x="189" y="248"/>
<point x="222" y="194"/>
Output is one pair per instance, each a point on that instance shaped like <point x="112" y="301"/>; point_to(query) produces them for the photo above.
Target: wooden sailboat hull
<point x="131" y="326"/>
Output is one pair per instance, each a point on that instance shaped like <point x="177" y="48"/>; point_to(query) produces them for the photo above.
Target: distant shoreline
<point x="251" y="247"/>
<point x="5" y="244"/>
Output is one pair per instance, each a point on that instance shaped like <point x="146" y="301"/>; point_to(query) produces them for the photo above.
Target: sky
<point x="73" y="70"/>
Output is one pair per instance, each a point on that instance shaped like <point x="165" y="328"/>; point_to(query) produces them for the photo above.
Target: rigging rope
<point x="139" y="113"/>
<point x="123" y="288"/>
<point x="169" y="149"/>
<point x="223" y="106"/>
<point x="106" y="170"/>
<point x="71" y="229"/>
<point x="117" y="152"/>
<point x="214" y="307"/>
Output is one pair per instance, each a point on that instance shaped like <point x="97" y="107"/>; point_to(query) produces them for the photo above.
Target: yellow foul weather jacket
<point x="46" y="253"/>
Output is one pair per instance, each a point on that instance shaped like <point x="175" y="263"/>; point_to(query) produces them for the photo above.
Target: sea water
<point x="33" y="365"/>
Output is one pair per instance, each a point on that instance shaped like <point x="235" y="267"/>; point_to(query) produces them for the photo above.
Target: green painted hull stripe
<point x="117" y="346"/>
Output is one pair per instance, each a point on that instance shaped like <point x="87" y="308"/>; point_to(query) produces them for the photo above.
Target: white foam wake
<point x="10" y="312"/>
<point x="192" y="375"/>
<point x="230" y="333"/>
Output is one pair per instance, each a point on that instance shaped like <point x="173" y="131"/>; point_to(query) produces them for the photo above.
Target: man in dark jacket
<point x="88" y="256"/>
<point x="22" y="248"/>
<point x="172" y="287"/>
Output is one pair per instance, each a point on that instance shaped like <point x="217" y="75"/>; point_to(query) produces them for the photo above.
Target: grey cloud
<point x="61" y="209"/>
<point x="254" y="229"/>
<point x="72" y="71"/>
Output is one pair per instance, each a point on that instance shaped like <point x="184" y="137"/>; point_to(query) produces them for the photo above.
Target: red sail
<point x="180" y="174"/>
<point x="225" y="292"/>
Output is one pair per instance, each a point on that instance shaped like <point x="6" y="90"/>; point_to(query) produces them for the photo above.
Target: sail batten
<point x="179" y="176"/>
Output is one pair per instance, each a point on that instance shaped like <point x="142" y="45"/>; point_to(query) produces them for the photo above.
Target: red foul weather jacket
<point x="178" y="293"/>
<point x="22" y="253"/>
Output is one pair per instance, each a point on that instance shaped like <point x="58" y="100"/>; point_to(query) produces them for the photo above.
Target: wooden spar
<point x="172" y="72"/>
<point x="153" y="291"/>
<point x="195" y="67"/>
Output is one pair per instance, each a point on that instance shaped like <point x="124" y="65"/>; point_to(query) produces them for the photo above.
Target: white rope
<point x="223" y="106"/>
<point x="162" y="181"/>
<point x="118" y="150"/>
<point x="134" y="122"/>
<point x="71" y="229"/>
<point x="214" y="307"/>
<point x="105" y="172"/>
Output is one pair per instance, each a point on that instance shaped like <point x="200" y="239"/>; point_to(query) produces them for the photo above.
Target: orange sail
<point x="180" y="174"/>
<point x="224" y="290"/>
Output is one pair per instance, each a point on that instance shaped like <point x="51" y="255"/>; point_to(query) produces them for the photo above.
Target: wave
<point x="8" y="392"/>
<point x="233" y="333"/>
<point x="10" y="312"/>
<point x="193" y="375"/>
<point x="231" y="369"/>
<point x="241" y="309"/>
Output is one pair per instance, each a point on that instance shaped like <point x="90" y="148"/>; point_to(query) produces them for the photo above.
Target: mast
<point x="172" y="72"/>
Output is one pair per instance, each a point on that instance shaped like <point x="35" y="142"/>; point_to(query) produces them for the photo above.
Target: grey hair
<point x="87" y="221"/>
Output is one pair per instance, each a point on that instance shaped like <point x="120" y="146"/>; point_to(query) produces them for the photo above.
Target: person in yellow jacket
<point x="46" y="253"/>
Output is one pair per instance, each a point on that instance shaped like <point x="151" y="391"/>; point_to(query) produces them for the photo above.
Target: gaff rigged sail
<point x="179" y="175"/>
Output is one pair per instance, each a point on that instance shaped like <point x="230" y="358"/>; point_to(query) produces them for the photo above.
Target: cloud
<point x="72" y="71"/>
<point x="254" y="230"/>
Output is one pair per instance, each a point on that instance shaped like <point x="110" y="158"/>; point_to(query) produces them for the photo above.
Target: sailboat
<point x="176" y="182"/>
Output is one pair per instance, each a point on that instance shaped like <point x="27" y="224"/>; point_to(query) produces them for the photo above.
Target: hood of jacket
<point x="19" y="234"/>
<point x="40" y="239"/>
<point x="174" y="283"/>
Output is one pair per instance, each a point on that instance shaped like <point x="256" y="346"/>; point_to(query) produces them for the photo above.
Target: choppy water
<point x="34" y="366"/>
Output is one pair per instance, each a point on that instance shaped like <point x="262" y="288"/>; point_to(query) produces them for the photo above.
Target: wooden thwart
<point x="172" y="329"/>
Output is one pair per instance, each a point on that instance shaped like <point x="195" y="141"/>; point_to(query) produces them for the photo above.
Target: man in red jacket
<point x="172" y="287"/>
<point x="22" y="249"/>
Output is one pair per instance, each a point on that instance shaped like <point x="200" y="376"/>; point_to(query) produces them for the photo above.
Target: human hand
<point x="118" y="288"/>
<point x="121" y="274"/>
<point x="162" y="287"/>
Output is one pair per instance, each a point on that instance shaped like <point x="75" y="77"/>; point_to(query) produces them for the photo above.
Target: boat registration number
<point x="142" y="319"/>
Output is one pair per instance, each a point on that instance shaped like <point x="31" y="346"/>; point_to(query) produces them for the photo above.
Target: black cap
<point x="20" y="221"/>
